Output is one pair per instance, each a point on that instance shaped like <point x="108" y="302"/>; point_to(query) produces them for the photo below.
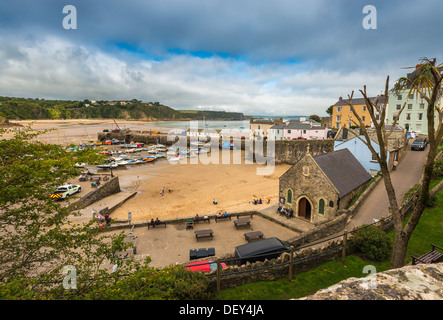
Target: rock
<point x="419" y="282"/>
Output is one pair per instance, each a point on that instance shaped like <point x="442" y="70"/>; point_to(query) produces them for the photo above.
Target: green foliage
<point x="438" y="169"/>
<point x="374" y="243"/>
<point x="36" y="239"/>
<point x="19" y="108"/>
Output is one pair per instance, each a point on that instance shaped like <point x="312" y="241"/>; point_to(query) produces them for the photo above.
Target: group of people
<point x="163" y="191"/>
<point x="289" y="213"/>
<point x="101" y="219"/>
<point x="95" y="184"/>
<point x="156" y="221"/>
<point x="259" y="201"/>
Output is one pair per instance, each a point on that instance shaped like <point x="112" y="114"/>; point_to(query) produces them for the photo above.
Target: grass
<point x="429" y="230"/>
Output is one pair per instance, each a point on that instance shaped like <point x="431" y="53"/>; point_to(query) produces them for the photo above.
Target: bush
<point x="373" y="243"/>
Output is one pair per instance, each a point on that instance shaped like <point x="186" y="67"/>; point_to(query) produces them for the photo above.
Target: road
<point x="406" y="176"/>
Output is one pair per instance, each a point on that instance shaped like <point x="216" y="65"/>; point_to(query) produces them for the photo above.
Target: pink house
<point x="297" y="130"/>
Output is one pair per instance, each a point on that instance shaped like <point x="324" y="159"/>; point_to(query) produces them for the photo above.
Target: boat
<point x="176" y="158"/>
<point x="139" y="161"/>
<point x="122" y="163"/>
<point x="81" y="165"/>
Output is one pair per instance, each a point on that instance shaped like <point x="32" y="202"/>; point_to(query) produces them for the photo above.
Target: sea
<point x="214" y="124"/>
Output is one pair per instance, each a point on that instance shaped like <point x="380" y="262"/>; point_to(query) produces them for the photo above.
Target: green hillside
<point x="41" y="109"/>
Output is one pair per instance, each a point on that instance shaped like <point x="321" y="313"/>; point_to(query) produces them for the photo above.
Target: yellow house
<point x="260" y="127"/>
<point x="342" y="115"/>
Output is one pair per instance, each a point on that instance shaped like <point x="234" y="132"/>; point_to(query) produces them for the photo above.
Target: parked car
<point x="204" y="266"/>
<point x="260" y="250"/>
<point x="419" y="144"/>
<point x="64" y="191"/>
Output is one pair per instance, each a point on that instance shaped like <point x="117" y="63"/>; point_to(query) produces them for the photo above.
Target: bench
<point x="207" y="233"/>
<point x="156" y="224"/>
<point x="429" y="257"/>
<point x="198" y="219"/>
<point x="253" y="235"/>
<point x="240" y="222"/>
<point x="201" y="253"/>
<point x="222" y="217"/>
<point x="243" y="215"/>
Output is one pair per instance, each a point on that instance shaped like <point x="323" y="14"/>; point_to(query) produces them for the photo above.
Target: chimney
<point x="340" y="99"/>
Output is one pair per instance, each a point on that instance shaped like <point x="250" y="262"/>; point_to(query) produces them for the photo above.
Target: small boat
<point x="176" y="158"/>
<point x="149" y="159"/>
<point x="81" y="165"/>
<point x="139" y="161"/>
<point x="122" y="163"/>
<point x="160" y="155"/>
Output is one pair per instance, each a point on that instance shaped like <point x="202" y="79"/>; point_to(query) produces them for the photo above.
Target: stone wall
<point x="106" y="189"/>
<point x="290" y="152"/>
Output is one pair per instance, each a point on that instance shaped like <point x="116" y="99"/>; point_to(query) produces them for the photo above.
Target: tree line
<point x="41" y="109"/>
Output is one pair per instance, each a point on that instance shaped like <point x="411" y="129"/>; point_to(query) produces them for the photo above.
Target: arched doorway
<point x="304" y="208"/>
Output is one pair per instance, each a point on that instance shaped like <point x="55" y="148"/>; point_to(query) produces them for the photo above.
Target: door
<point x="304" y="209"/>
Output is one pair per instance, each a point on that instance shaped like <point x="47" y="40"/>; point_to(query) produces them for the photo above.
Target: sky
<point x="258" y="57"/>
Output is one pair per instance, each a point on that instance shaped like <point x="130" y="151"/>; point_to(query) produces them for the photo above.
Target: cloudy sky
<point x="259" y="57"/>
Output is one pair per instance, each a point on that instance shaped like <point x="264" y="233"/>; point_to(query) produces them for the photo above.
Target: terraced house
<point x="413" y="116"/>
<point x="342" y="116"/>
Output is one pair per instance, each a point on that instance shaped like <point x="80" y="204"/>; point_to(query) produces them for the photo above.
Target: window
<point x="399" y="97"/>
<point x="321" y="207"/>
<point x="421" y="106"/>
<point x="278" y="131"/>
<point x="306" y="171"/>
<point x="289" y="131"/>
<point x="338" y="118"/>
<point x="373" y="157"/>
<point x="398" y="106"/>
<point x="338" y="109"/>
<point x="409" y="106"/>
<point x="289" y="196"/>
<point x="363" y="118"/>
<point x="420" y="116"/>
<point x="411" y="96"/>
<point x="364" y="108"/>
<point x="394" y="116"/>
<point x="408" y="116"/>
<point x="377" y="117"/>
<point x="304" y="131"/>
<point x="418" y="127"/>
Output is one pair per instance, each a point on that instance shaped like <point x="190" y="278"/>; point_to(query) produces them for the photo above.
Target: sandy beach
<point x="193" y="186"/>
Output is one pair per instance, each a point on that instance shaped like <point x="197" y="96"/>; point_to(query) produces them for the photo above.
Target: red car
<point x="205" y="266"/>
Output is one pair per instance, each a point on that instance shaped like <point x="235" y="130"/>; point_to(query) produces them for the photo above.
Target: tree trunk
<point x="399" y="250"/>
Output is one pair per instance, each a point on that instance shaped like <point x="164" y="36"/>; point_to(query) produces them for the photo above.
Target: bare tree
<point x="426" y="80"/>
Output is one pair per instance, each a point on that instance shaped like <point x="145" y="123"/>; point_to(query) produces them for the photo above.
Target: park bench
<point x="222" y="217"/>
<point x="207" y="233"/>
<point x="201" y="253"/>
<point x="429" y="257"/>
<point x="156" y="224"/>
<point x="253" y="235"/>
<point x="239" y="222"/>
<point x="198" y="219"/>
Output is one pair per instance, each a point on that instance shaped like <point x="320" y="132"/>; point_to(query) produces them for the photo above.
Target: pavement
<point x="172" y="244"/>
<point x="376" y="206"/>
